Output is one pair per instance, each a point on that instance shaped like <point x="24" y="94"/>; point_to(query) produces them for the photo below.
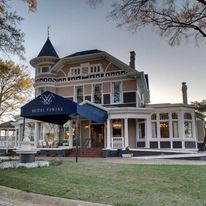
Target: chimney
<point x="132" y="59"/>
<point x="184" y="92"/>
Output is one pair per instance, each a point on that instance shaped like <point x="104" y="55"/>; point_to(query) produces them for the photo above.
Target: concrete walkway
<point x="13" y="197"/>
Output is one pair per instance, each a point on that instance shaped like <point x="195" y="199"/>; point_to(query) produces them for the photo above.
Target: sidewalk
<point x="13" y="197"/>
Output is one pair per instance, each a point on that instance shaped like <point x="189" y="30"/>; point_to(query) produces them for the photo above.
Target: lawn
<point x="116" y="184"/>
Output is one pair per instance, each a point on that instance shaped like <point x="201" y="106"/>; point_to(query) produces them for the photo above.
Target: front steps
<point x="86" y="152"/>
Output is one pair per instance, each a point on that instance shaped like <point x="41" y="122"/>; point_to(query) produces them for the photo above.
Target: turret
<point x="43" y="64"/>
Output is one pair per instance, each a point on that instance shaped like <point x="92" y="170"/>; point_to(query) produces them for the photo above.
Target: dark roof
<point x="48" y="50"/>
<point x="93" y="51"/>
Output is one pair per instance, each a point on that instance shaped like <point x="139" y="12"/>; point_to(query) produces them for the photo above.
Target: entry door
<point x="97" y="135"/>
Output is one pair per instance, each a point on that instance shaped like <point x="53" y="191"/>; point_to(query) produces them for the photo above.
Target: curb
<point x="29" y="197"/>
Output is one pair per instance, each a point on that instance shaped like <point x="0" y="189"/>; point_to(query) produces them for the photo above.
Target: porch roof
<point x="52" y="108"/>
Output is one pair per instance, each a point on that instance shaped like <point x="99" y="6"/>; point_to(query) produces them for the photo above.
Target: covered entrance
<point x="57" y="110"/>
<point x="97" y="135"/>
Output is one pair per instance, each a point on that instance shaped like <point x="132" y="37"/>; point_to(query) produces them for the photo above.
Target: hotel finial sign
<point x="47" y="99"/>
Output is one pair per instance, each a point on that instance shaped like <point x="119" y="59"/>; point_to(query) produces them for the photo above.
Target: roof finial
<point x="48" y="27"/>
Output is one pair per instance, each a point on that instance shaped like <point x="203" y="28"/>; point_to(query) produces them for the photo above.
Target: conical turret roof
<point x="48" y="50"/>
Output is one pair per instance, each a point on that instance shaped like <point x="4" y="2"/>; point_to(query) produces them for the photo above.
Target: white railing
<point x="117" y="142"/>
<point x="7" y="142"/>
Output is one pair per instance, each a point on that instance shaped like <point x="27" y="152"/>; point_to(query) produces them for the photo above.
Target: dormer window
<point x="75" y="71"/>
<point x="85" y="69"/>
<point x="95" y="68"/>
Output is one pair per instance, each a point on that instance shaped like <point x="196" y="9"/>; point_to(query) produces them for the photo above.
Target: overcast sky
<point x="75" y="26"/>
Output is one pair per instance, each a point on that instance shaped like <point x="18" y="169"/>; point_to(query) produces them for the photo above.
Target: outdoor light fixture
<point x="86" y="126"/>
<point x="117" y="125"/>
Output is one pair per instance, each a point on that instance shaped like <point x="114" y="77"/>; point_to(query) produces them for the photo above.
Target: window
<point x="174" y="116"/>
<point x="142" y="130"/>
<point x="45" y="69"/>
<point x="187" y="116"/>
<point x="164" y="125"/>
<point x="164" y="129"/>
<point x="188" y="125"/>
<point x="117" y="128"/>
<point x="175" y="130"/>
<point x="154" y="129"/>
<point x="164" y="116"/>
<point x="116" y="92"/>
<point x="97" y="94"/>
<point x="153" y="117"/>
<point x="95" y="68"/>
<point x="154" y="125"/>
<point x="188" y="129"/>
<point x="75" y="71"/>
<point x="79" y="94"/>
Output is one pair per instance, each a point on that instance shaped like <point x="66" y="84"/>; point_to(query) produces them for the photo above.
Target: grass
<point x="116" y="184"/>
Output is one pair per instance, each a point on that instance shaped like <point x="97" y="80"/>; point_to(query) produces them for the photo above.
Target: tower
<point x="43" y="64"/>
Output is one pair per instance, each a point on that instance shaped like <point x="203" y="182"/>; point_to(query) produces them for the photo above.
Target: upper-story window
<point x="95" y="68"/>
<point x="44" y="69"/>
<point x="75" y="71"/>
<point x="97" y="93"/>
<point x="79" y="94"/>
<point x="85" y="69"/>
<point x="116" y="92"/>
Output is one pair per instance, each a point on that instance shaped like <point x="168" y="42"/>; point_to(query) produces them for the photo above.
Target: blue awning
<point x="92" y="112"/>
<point x="49" y="107"/>
<point x="52" y="108"/>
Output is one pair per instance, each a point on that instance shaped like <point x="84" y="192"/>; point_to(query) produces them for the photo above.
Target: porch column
<point x="61" y="135"/>
<point x="148" y="131"/>
<point x="19" y="136"/>
<point x="7" y="137"/>
<point x="70" y="134"/>
<point x="126" y="138"/>
<point x="108" y="134"/>
<point x="36" y="134"/>
<point x="16" y="138"/>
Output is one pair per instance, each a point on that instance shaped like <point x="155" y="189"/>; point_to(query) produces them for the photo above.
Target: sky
<point x="75" y="26"/>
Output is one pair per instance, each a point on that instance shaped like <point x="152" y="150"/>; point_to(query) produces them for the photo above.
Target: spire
<point x="48" y="27"/>
<point x="48" y="49"/>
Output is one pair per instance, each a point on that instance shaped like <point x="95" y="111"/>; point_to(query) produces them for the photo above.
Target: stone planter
<point x="127" y="155"/>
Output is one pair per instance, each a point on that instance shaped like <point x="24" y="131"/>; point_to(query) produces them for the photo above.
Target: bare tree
<point x="173" y="19"/>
